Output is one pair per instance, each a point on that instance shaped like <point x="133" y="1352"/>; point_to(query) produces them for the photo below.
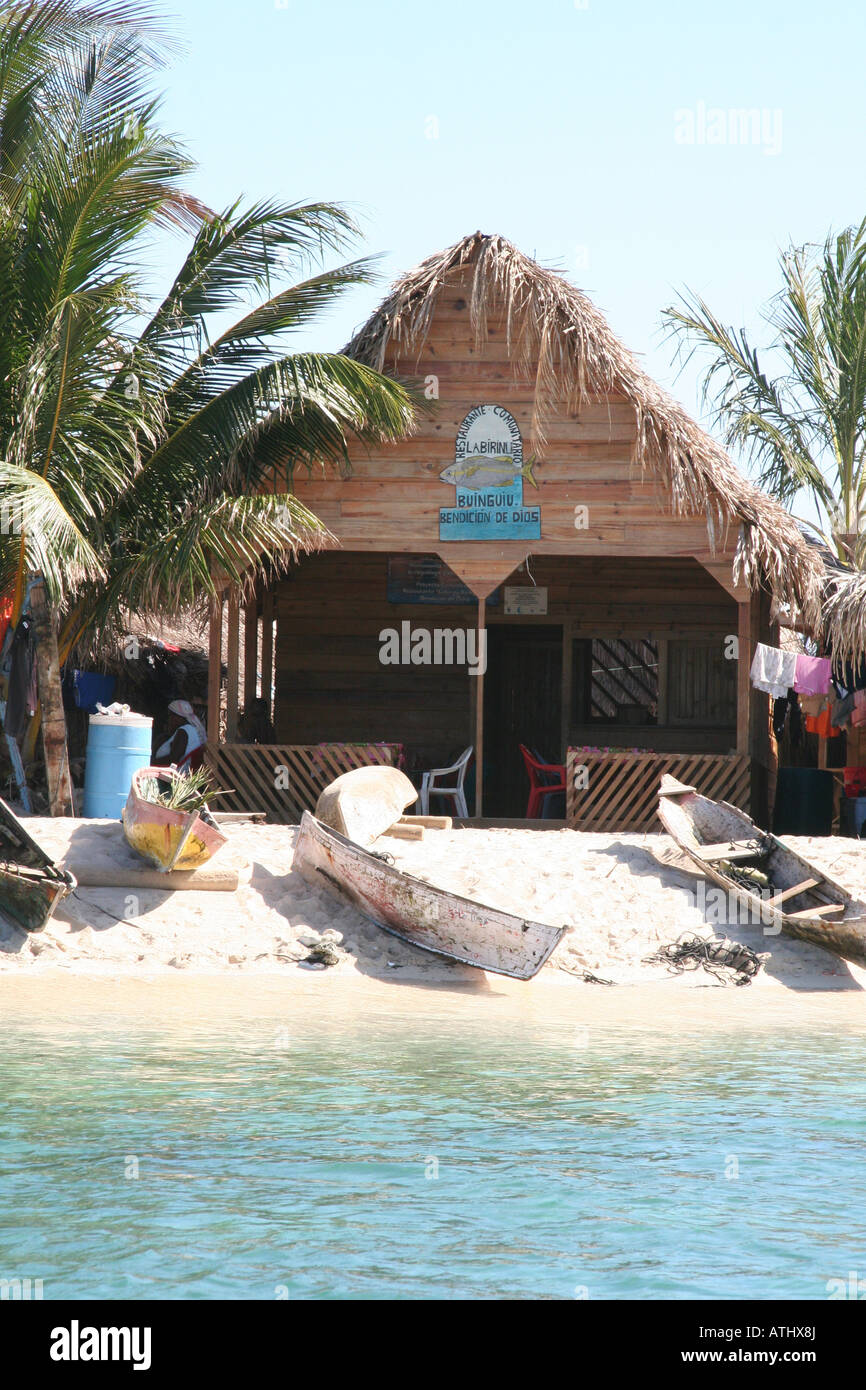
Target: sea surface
<point x="426" y="1144"/>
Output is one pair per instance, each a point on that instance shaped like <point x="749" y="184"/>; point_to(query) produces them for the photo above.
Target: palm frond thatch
<point x="845" y="615"/>
<point x="554" y="333"/>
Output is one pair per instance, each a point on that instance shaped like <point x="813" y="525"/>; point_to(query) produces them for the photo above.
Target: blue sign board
<point x="489" y="475"/>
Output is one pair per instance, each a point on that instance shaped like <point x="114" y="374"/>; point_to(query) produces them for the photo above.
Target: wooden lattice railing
<point x="619" y="791"/>
<point x="282" y="779"/>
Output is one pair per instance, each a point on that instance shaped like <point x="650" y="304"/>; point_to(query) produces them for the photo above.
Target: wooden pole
<point x="480" y="651"/>
<point x="233" y="664"/>
<point x="744" y="689"/>
<point x="268" y="647"/>
<point x="251" y="651"/>
<point x="567" y="686"/>
<point x="60" y="801"/>
<point x="214" y="669"/>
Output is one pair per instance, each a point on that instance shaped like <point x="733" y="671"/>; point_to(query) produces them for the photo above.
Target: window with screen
<point x="615" y="681"/>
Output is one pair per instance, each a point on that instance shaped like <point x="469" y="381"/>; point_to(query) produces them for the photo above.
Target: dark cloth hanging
<point x="847" y="678"/>
<point x="795" y="728"/>
<point x="780" y="714"/>
<point x="786" y="708"/>
<point x="22" y="698"/>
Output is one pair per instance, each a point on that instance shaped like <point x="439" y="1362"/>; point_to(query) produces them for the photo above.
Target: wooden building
<point x="555" y="502"/>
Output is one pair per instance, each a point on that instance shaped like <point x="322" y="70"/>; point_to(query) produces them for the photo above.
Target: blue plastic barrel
<point x="853" y="815"/>
<point x="116" y="748"/>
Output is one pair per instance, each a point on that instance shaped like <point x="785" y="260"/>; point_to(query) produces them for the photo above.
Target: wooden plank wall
<point x="331" y="684"/>
<point x="393" y="497"/>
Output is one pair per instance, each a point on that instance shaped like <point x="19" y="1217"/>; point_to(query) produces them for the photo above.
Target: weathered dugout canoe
<point x="31" y="884"/>
<point x="167" y="838"/>
<point x="420" y="913"/>
<point x="714" y="833"/>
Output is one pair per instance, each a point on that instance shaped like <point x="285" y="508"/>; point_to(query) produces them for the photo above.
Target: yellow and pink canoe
<point x="167" y="838"/>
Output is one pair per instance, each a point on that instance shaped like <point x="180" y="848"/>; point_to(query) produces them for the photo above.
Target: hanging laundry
<point x="22" y="697"/>
<point x="780" y="714"/>
<point x="773" y="670"/>
<point x="848" y="678"/>
<point x="841" y="710"/>
<point x="823" y="725"/>
<point x="6" y="606"/>
<point x="858" y="714"/>
<point x="813" y="705"/>
<point x="812" y="675"/>
<point x="795" y="724"/>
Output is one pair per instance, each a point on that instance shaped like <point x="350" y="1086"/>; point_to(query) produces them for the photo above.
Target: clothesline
<point x="776" y="672"/>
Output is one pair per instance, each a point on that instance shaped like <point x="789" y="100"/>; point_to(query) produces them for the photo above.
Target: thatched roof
<point x="845" y="615"/>
<point x="556" y="333"/>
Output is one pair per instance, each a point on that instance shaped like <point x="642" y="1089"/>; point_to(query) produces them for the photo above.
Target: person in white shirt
<point x="187" y="735"/>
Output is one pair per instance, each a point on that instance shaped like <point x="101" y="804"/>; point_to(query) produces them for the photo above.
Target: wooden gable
<point x="594" y="497"/>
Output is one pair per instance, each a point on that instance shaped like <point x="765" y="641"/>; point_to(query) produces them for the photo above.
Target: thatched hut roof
<point x="845" y="615"/>
<point x="554" y="332"/>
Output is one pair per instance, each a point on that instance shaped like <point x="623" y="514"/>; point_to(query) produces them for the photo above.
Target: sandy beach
<point x="621" y="896"/>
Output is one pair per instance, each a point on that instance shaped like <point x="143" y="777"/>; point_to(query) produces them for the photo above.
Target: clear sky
<point x="597" y="135"/>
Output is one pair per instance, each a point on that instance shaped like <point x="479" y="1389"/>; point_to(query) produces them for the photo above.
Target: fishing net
<point x="729" y="962"/>
<point x="754" y="880"/>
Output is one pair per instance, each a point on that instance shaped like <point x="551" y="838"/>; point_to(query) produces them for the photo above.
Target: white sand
<point x="617" y="893"/>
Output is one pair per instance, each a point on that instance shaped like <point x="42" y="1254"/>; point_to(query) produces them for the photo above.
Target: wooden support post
<point x="232" y="665"/>
<point x="745" y="652"/>
<point x="268" y="647"/>
<point x="60" y="801"/>
<point x="567" y="686"/>
<point x="662" y="706"/>
<point x="251" y="651"/>
<point x="214" y="669"/>
<point x="481" y="655"/>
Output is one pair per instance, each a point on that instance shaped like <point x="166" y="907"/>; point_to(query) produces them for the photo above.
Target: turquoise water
<point x="424" y="1157"/>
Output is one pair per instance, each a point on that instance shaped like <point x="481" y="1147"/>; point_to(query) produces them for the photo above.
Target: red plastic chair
<point x="538" y="789"/>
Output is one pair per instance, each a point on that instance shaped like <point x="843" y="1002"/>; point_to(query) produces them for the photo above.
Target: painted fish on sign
<point x="488" y="476"/>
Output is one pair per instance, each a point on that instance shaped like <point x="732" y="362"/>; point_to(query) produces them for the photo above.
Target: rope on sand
<point x="586" y="975"/>
<point x="729" y="962"/>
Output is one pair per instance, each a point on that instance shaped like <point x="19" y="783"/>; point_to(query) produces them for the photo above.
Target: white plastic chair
<point x="430" y="787"/>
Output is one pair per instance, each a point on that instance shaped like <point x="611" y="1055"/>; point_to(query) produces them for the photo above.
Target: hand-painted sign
<point x="488" y="474"/>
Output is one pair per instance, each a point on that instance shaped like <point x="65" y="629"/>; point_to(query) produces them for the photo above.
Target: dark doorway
<point x="522" y="704"/>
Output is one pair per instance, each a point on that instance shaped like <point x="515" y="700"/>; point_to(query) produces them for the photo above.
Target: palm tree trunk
<point x="51" y="703"/>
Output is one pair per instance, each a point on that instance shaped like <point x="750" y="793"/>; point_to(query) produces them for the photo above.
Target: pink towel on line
<point x="812" y="675"/>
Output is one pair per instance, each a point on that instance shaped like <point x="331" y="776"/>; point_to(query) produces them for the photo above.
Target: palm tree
<point x="801" y="421"/>
<point x="145" y="456"/>
<point x="135" y="446"/>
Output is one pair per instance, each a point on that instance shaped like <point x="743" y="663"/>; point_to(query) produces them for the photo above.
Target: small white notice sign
<point x="525" y="599"/>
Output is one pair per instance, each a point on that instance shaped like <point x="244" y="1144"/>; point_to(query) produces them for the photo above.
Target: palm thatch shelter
<point x="556" y="500"/>
<point x="845" y="615"/>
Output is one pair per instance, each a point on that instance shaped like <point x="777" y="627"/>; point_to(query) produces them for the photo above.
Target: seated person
<point x="254" y="725"/>
<point x="187" y="737"/>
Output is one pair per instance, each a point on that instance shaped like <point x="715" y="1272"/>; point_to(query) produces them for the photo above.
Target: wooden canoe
<point x="365" y="802"/>
<point x="419" y="913"/>
<point x="31" y="884"/>
<point x="166" y="838"/>
<point x="802" y="901"/>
